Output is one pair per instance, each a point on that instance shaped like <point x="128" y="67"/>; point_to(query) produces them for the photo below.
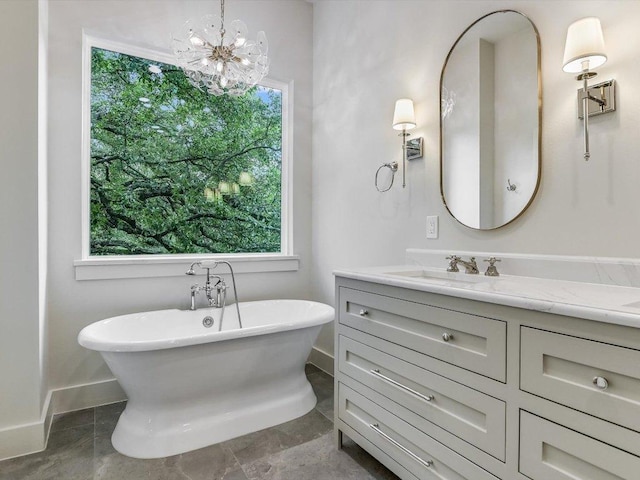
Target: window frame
<point x="90" y="267"/>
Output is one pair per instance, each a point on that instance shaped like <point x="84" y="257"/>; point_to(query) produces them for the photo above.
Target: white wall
<point x="74" y="304"/>
<point x="21" y="366"/>
<point x="368" y="54"/>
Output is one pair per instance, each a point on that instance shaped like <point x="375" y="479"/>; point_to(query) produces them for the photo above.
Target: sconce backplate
<point x="604" y="92"/>
<point x="414" y="148"/>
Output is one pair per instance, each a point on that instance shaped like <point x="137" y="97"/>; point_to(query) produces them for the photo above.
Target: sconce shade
<point x="404" y="118"/>
<point x="585" y="42"/>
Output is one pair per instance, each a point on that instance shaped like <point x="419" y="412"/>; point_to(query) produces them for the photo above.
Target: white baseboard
<point x="86" y="396"/>
<point x="322" y="360"/>
<point x="28" y="438"/>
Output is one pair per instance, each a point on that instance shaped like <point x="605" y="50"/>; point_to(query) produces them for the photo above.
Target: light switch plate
<point x="432" y="226"/>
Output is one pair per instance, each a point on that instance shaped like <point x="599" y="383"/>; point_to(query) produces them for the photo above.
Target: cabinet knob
<point x="447" y="336"/>
<point x="601" y="383"/>
<point x="363" y="312"/>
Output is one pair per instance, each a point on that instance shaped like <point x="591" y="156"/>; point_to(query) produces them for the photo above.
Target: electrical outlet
<point x="432" y="226"/>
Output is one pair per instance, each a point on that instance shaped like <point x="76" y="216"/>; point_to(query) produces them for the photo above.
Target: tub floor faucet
<point x="218" y="300"/>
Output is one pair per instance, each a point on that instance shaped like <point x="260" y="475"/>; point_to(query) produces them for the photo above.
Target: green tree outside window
<point x="170" y="165"/>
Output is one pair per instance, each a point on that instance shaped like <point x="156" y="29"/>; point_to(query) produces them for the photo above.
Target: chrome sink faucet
<point x="470" y="266"/>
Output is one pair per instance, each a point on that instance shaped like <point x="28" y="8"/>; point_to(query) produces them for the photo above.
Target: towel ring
<point x="393" y="166"/>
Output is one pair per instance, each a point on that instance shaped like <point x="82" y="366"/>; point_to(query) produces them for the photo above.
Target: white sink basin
<point x="443" y="276"/>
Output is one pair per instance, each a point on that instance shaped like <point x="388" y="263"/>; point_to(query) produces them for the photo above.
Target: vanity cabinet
<point x="440" y="387"/>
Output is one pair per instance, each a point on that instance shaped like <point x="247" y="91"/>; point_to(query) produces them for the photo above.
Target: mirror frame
<point x="539" y="69"/>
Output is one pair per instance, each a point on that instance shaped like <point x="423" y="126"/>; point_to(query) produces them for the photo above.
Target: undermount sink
<point x="441" y="275"/>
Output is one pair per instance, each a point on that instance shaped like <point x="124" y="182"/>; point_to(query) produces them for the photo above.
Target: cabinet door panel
<point x="420" y="454"/>
<point x="563" y="368"/>
<point x="551" y="452"/>
<point x="471" y="415"/>
<point x="468" y="341"/>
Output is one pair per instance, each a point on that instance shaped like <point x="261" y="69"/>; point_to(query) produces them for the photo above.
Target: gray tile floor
<point x="80" y="449"/>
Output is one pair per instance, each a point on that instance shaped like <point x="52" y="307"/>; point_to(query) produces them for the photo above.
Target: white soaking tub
<point x="190" y="386"/>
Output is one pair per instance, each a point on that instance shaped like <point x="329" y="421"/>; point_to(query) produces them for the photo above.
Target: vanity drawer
<point x="563" y="369"/>
<point x="475" y="343"/>
<point x="549" y="451"/>
<point x="472" y="416"/>
<point x="420" y="454"/>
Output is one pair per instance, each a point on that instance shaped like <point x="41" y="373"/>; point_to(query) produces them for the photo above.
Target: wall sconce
<point x="583" y="52"/>
<point x="404" y="118"/>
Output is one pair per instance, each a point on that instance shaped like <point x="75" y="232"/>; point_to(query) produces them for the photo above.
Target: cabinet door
<point x="468" y="341"/>
<point x="471" y="415"/>
<point x="563" y="369"/>
<point x="420" y="454"/>
<point x="551" y="452"/>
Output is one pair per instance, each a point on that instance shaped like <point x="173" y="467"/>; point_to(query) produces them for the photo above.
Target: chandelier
<point x="220" y="61"/>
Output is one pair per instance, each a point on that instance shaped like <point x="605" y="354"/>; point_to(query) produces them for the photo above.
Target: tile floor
<point x="80" y="449"/>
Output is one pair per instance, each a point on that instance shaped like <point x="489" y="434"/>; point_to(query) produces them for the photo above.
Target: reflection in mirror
<point x="490" y="121"/>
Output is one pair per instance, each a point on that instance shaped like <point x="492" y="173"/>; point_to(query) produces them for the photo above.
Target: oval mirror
<point x="490" y="102"/>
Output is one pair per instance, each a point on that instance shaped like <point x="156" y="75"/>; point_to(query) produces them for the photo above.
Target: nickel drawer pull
<point x="363" y="312"/>
<point x="426" y="463"/>
<point x="426" y="398"/>
<point x="601" y="382"/>
<point x="447" y="337"/>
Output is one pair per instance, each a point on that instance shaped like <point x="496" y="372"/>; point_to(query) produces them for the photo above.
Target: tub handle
<point x="363" y="312"/>
<point x="376" y="428"/>
<point x="426" y="398"/>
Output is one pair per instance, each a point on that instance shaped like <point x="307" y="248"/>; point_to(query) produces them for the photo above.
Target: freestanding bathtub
<point x="190" y="386"/>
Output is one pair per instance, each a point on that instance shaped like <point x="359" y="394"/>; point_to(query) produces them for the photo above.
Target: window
<point x="174" y="170"/>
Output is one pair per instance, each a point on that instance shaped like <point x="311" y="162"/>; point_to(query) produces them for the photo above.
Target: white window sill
<point x="107" y="268"/>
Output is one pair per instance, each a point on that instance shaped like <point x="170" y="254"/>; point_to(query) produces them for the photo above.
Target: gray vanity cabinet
<point x="440" y="387"/>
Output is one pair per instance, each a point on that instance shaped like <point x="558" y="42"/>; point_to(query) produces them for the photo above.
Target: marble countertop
<point x="604" y="303"/>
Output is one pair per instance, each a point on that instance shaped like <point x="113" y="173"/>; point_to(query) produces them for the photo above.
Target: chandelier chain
<point x="222" y="31"/>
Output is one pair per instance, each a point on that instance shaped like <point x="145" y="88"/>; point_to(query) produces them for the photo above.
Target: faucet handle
<point x="453" y="263"/>
<point x="492" y="271"/>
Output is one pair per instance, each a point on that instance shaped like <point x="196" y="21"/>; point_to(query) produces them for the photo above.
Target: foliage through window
<point x="175" y="170"/>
